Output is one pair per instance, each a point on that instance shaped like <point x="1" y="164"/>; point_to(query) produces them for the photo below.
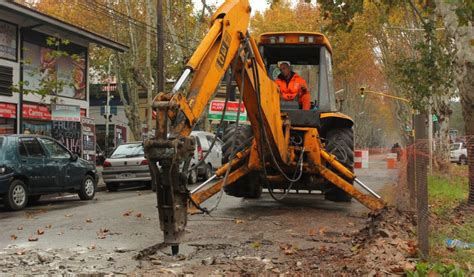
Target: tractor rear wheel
<point x="340" y="143"/>
<point x="247" y="186"/>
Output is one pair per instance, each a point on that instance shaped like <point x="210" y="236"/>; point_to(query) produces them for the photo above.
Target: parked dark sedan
<point x="34" y="165"/>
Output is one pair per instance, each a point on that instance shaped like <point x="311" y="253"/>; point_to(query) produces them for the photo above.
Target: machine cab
<point x="310" y="57"/>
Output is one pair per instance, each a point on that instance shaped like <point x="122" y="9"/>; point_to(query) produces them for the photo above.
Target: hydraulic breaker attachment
<point x="171" y="192"/>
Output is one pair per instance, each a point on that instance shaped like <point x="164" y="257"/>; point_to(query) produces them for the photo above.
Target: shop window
<point x="6" y="80"/>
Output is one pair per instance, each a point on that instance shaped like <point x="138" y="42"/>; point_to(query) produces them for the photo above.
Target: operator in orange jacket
<point x="292" y="86"/>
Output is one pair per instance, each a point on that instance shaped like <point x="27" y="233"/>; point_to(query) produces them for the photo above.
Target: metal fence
<point x="413" y="185"/>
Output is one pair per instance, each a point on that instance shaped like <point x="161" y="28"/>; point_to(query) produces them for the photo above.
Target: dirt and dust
<point x="380" y="244"/>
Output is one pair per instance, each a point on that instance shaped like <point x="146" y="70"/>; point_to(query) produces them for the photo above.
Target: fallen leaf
<point x="312" y="232"/>
<point x="32" y="238"/>
<point x="92" y="246"/>
<point x="68" y="215"/>
<point x="255" y="245"/>
<point x="88" y="220"/>
<point x="105" y="230"/>
<point x="238" y="221"/>
<point x="13" y="237"/>
<point x="101" y="236"/>
<point x="20" y="227"/>
<point x="148" y="218"/>
<point x="322" y="231"/>
<point x="20" y="252"/>
<point x="138" y="214"/>
<point x="40" y="231"/>
<point x="48" y="226"/>
<point x="127" y="213"/>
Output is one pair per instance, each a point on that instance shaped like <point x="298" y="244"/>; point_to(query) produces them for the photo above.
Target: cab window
<point x="31" y="147"/>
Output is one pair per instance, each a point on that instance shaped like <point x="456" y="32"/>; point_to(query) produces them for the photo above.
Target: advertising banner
<point x="7" y="110"/>
<point x="66" y="113"/>
<point x="8" y="41"/>
<point x="88" y="139"/>
<point x="69" y="134"/>
<point x="217" y="106"/>
<point x="33" y="111"/>
<point x="43" y="66"/>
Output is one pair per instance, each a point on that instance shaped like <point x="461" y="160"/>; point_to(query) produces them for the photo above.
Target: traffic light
<point x="110" y="117"/>
<point x="361" y="92"/>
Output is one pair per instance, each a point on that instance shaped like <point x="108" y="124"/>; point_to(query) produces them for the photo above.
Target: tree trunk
<point x="462" y="36"/>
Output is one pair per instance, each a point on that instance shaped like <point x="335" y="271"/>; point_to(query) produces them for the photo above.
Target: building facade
<point x="40" y="54"/>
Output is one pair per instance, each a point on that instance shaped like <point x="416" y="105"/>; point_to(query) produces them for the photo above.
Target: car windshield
<point x="128" y="151"/>
<point x="454" y="146"/>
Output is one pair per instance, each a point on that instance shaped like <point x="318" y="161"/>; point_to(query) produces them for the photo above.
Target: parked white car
<point x="213" y="161"/>
<point x="126" y="164"/>
<point x="458" y="153"/>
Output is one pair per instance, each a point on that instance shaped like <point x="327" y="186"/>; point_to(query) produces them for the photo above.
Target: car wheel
<point x="193" y="176"/>
<point x="463" y="160"/>
<point x="208" y="173"/>
<point x="88" y="187"/>
<point x="112" y="186"/>
<point x="33" y="199"/>
<point x="17" y="196"/>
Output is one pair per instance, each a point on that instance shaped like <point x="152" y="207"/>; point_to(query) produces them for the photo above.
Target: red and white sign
<point x="361" y="159"/>
<point x="83" y="113"/>
<point x="218" y="106"/>
<point x="33" y="111"/>
<point x="7" y="110"/>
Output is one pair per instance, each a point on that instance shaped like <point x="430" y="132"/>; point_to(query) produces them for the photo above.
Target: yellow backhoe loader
<point x="283" y="148"/>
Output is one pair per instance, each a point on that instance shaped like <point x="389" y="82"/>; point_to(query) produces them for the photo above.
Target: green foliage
<point x="341" y="12"/>
<point x="427" y="73"/>
<point x="426" y="269"/>
<point x="464" y="11"/>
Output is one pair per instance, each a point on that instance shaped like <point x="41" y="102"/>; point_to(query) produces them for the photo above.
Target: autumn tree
<point x="458" y="19"/>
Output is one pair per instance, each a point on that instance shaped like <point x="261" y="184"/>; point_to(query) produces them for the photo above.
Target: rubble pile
<point x="387" y="245"/>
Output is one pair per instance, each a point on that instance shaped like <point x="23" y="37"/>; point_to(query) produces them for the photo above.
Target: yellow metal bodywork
<point x="213" y="57"/>
<point x="294" y="38"/>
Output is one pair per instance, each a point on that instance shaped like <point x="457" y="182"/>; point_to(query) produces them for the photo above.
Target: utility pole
<point x="107" y="107"/>
<point x="160" y="76"/>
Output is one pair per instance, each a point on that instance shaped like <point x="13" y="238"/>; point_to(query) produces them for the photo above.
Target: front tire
<point x="193" y="176"/>
<point x="88" y="188"/>
<point x="17" y="196"/>
<point x="208" y="172"/>
<point x="340" y="143"/>
<point x="462" y="160"/>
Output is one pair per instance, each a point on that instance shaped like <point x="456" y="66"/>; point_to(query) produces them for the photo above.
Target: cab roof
<point x="292" y="37"/>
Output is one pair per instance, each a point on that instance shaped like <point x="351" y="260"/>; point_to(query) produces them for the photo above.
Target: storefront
<point x="7" y="118"/>
<point x="37" y="119"/>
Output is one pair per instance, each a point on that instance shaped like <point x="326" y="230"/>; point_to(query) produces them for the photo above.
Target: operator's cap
<point x="283" y="62"/>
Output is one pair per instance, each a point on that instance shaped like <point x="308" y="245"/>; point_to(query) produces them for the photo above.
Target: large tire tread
<point x="340" y="143"/>
<point x="247" y="186"/>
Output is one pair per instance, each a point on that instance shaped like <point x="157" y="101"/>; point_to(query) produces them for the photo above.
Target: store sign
<point x="8" y="43"/>
<point x="217" y="107"/>
<point x="33" y="111"/>
<point x="83" y="113"/>
<point x="7" y="110"/>
<point x="88" y="139"/>
<point x="66" y="113"/>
